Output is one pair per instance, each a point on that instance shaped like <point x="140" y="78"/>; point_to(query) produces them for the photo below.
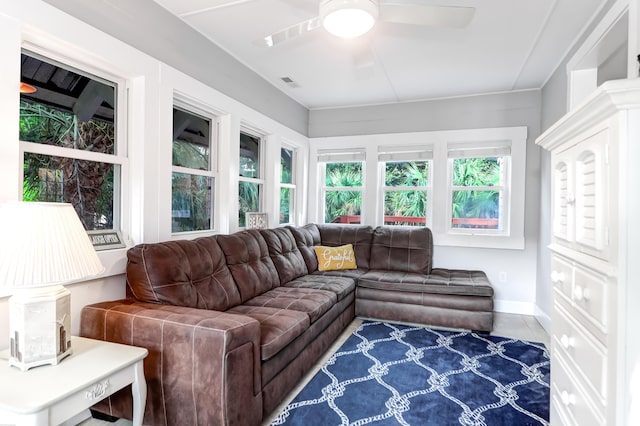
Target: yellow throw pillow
<point x="335" y="258"/>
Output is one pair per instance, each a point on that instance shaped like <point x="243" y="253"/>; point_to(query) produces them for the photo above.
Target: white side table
<point x="51" y="394"/>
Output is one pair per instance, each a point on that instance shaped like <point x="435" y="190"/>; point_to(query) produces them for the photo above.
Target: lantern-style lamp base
<point x="40" y="326"/>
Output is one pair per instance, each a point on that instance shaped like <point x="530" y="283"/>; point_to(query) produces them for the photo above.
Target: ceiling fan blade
<point x="224" y="5"/>
<point x="432" y="16"/>
<point x="288" y="33"/>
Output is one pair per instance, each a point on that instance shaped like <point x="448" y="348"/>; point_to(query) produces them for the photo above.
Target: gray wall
<point x="493" y="110"/>
<point x="150" y="28"/>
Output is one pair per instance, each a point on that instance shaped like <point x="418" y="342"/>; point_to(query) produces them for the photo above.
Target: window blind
<point x="477" y="150"/>
<point x="340" y="155"/>
<point x="406" y="153"/>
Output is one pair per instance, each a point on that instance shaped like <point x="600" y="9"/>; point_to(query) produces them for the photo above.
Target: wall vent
<point x="290" y="82"/>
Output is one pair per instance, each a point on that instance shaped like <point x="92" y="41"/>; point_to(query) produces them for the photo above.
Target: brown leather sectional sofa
<point x="233" y="322"/>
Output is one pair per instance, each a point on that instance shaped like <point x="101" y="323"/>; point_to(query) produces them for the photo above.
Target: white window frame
<point x="501" y="149"/>
<point x="357" y="155"/>
<point x="293" y="186"/>
<point x="191" y="107"/>
<point x="119" y="158"/>
<point x="260" y="180"/>
<point x="395" y="154"/>
<point x="513" y="238"/>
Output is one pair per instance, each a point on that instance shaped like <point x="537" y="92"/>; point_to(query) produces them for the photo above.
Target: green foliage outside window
<point x="476" y="172"/>
<point x="88" y="185"/>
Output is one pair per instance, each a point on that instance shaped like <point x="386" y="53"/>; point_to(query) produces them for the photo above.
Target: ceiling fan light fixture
<point x="348" y="18"/>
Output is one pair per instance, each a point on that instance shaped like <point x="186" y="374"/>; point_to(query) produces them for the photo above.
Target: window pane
<point x="285" y="205"/>
<point x="67" y="109"/>
<point x="249" y="198"/>
<point x="88" y="185"/>
<point x="477" y="171"/>
<point x="476" y="209"/>
<point x="342" y="206"/>
<point x="249" y="156"/>
<point x="190" y="202"/>
<point x="405" y="208"/>
<point x="406" y="173"/>
<point x="343" y="174"/>
<point x="191" y="140"/>
<point x="286" y="160"/>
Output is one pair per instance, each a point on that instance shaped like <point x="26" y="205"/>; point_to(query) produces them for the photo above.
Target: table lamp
<point x="42" y="246"/>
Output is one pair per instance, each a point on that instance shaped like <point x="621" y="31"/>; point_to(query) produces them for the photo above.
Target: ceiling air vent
<point x="290" y="82"/>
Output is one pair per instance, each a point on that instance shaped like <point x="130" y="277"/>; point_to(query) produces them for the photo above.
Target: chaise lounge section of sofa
<point x="233" y="322"/>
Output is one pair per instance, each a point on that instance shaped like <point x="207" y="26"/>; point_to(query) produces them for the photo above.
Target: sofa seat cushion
<point x="278" y="327"/>
<point x="314" y="303"/>
<point x="340" y="286"/>
<point x="346" y="273"/>
<point x="440" y="281"/>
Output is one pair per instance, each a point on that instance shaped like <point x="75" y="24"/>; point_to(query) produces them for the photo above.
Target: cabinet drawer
<point x="562" y="275"/>
<point x="569" y="402"/>
<point x="589" y="293"/>
<point x="588" y="358"/>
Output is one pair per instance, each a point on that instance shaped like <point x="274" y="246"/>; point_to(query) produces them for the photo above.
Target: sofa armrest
<point x="203" y="366"/>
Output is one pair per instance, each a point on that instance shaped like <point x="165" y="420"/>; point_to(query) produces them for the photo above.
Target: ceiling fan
<point x="352" y="18"/>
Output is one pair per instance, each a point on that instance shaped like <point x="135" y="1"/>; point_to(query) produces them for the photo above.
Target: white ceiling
<point x="509" y="45"/>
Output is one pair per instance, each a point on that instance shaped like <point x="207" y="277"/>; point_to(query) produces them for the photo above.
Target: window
<point x="287" y="185"/>
<point x="478" y="188"/>
<point x="343" y="176"/>
<point x="467" y="186"/>
<point x="406" y="184"/>
<point x="192" y="179"/>
<point x="69" y="137"/>
<point x="251" y="183"/>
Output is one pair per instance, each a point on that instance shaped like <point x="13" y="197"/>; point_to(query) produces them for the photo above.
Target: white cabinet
<point x="593" y="249"/>
<point x="580" y="190"/>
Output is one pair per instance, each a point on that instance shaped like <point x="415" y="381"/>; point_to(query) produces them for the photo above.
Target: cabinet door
<point x="591" y="169"/>
<point x="563" y="199"/>
<point x="580" y="192"/>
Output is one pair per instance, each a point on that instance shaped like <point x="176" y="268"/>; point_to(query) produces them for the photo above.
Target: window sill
<point x="114" y="262"/>
<point x="479" y="241"/>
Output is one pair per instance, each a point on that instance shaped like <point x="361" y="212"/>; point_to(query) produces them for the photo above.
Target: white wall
<point x="152" y="86"/>
<point x="517" y="293"/>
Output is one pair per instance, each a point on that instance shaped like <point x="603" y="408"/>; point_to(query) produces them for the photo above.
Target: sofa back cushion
<point x="285" y="254"/>
<point x="182" y="273"/>
<point x="359" y="236"/>
<point x="248" y="260"/>
<point x="402" y="249"/>
<point x="307" y="237"/>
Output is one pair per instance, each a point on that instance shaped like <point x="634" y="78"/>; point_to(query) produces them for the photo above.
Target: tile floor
<point x="522" y="327"/>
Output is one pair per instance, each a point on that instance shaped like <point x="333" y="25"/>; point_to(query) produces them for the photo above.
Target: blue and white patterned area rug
<point x="390" y="374"/>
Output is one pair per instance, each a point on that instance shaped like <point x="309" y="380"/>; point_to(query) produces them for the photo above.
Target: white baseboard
<point x="512" y="307"/>
<point x="543" y="318"/>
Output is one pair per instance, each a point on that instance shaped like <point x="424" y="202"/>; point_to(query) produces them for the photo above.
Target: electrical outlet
<point x="503" y="277"/>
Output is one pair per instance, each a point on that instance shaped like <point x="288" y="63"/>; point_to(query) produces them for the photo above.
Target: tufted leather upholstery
<point x="248" y="259"/>
<point x="402" y="249"/>
<point x="233" y="322"/>
<point x="182" y="273"/>
<point x="358" y="235"/>
<point x="306" y="238"/>
<point x="285" y="254"/>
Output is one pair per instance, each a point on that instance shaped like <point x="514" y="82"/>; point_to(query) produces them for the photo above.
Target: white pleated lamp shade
<point x="44" y="244"/>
